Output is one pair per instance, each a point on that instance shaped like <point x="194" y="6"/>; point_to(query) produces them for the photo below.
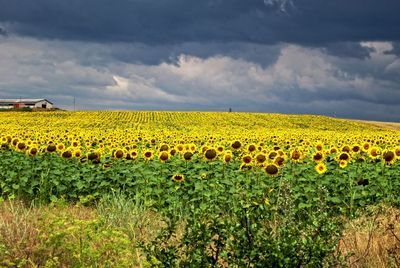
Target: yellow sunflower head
<point x="148" y="155"/>
<point x="389" y="157"/>
<point x="178" y="178"/>
<point x="119" y="154"/>
<point x="163" y="156"/>
<point x="374" y="152"/>
<point x="321" y="168"/>
<point x="210" y="154"/>
<point x="318" y="157"/>
<point x="272" y="169"/>
<point x="342" y="163"/>
<point x="227" y="157"/>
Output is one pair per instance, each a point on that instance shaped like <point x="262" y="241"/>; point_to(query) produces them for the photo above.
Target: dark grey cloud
<point x="3" y="32"/>
<point x="289" y="56"/>
<point x="395" y="50"/>
<point x="176" y="21"/>
<point x="348" y="50"/>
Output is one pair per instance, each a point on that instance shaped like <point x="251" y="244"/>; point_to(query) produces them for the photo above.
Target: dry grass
<point x="26" y="231"/>
<point x="385" y="125"/>
<point x="374" y="239"/>
<point x="22" y="226"/>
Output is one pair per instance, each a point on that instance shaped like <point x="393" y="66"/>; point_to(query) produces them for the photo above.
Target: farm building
<point x="25" y="103"/>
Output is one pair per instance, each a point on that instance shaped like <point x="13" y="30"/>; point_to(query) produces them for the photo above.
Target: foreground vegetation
<point x="108" y="234"/>
<point x="195" y="189"/>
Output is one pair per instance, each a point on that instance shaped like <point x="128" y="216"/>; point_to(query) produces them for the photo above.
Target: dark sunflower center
<point x="187" y="155"/>
<point x="271" y="169"/>
<point x="388" y="156"/>
<point x="51" y="148"/>
<point x="317" y="157"/>
<point x="119" y="154"/>
<point x="210" y="154"/>
<point x="296" y="155"/>
<point x="261" y="158"/>
<point x="236" y="145"/>
<point x="164" y="156"/>
<point x="247" y="159"/>
<point x="67" y="154"/>
<point x="21" y="146"/>
<point x="164" y="147"/>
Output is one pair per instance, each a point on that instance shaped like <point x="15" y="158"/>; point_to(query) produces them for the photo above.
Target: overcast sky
<point x="333" y="57"/>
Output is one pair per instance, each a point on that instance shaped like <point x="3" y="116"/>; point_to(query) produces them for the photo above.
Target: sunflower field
<point x="231" y="189"/>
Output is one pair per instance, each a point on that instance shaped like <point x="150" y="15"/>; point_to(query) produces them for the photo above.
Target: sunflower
<point x="172" y="152"/>
<point x="180" y="148"/>
<point x="321" y="168"/>
<point x="77" y="153"/>
<point x="134" y="154"/>
<point x="389" y="157"/>
<point x="246" y="159"/>
<point x="163" y="156"/>
<point x="272" y="155"/>
<point x="295" y="155"/>
<point x="14" y="141"/>
<point x="51" y="148"/>
<point x="355" y="149"/>
<point x="279" y="161"/>
<point x="203" y="175"/>
<point x="365" y="147"/>
<point x="21" y="146"/>
<point x="3" y="140"/>
<point x="67" y="153"/>
<point x="333" y="150"/>
<point x="164" y="147"/>
<point x="343" y="163"/>
<point x="343" y="157"/>
<point x="227" y="157"/>
<point x="397" y="152"/>
<point x="148" y="155"/>
<point x="94" y="156"/>
<point x="318" y="157"/>
<point x="107" y="165"/>
<point x="178" y="178"/>
<point x="220" y="149"/>
<point x="118" y="154"/>
<point x="210" y="154"/>
<point x="272" y="169"/>
<point x="245" y="167"/>
<point x="203" y="148"/>
<point x="319" y="147"/>
<point x="236" y="145"/>
<point x="260" y="158"/>
<point x="33" y="151"/>
<point x="192" y="147"/>
<point x="60" y="147"/>
<point x="187" y="156"/>
<point x="374" y="152"/>
<point x="251" y="148"/>
<point x="75" y="144"/>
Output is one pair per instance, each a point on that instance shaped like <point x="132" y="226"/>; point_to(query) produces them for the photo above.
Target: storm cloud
<point x="339" y="58"/>
<point x="174" y="21"/>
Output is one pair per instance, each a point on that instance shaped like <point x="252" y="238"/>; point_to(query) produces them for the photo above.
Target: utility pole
<point x="74" y="103"/>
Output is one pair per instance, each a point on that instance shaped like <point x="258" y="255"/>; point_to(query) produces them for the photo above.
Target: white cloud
<point x="61" y="70"/>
